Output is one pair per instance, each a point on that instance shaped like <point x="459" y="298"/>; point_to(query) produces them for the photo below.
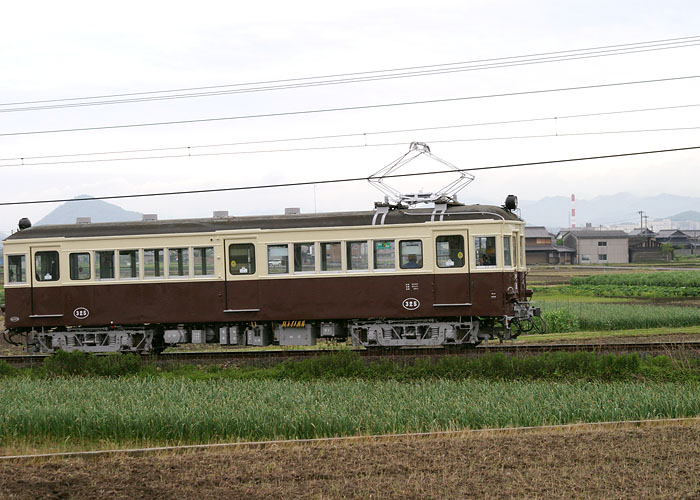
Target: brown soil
<point x="659" y="461"/>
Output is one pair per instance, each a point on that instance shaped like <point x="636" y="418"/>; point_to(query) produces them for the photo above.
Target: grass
<point x="349" y="365"/>
<point x="635" y="332"/>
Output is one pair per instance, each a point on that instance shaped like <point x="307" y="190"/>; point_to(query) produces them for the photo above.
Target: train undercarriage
<point x="376" y="333"/>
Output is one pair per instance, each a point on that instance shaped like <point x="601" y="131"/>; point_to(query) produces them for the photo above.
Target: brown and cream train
<point x="448" y="275"/>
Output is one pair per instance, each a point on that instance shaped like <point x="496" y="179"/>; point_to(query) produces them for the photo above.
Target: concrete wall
<point x="588" y="250"/>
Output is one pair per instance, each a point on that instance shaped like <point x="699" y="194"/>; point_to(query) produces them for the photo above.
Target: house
<point x="683" y="243"/>
<point x="597" y="246"/>
<point x="643" y="247"/>
<point x="540" y="249"/>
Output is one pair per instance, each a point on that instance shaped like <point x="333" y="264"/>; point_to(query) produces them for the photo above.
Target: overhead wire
<point x="348" y="179"/>
<point x="354" y="108"/>
<point x="357" y="77"/>
<point x="188" y="154"/>
<point x="24" y="159"/>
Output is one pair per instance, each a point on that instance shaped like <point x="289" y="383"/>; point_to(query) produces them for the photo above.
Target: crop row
<point x="668" y="278"/>
<point x="575" y="316"/>
<point x="622" y="291"/>
<point x="179" y="410"/>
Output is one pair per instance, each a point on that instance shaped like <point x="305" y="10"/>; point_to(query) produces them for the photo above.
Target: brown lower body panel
<point x="318" y="298"/>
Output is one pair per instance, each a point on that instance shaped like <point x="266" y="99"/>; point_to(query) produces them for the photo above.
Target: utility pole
<point x="641" y="219"/>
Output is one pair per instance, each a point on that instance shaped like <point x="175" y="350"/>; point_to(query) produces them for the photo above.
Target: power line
<point x="188" y="149"/>
<point x="358" y="77"/>
<point x="353" y="108"/>
<point x="349" y="179"/>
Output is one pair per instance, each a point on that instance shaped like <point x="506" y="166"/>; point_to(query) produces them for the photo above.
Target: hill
<point x="553" y="211"/>
<point x="97" y="210"/>
<point x="688" y="215"/>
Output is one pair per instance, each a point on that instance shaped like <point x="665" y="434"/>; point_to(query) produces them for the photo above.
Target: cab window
<point x="16" y="269"/>
<point x="79" y="266"/>
<point x="449" y="251"/>
<point x="46" y="266"/>
<point x="507" y="251"/>
<point x="411" y="254"/>
<point x="241" y="258"/>
<point x="485" y="251"/>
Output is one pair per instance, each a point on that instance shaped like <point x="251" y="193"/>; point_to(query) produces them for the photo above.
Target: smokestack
<point x="573" y="211"/>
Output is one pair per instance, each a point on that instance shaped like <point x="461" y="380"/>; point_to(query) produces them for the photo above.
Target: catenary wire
<point x="348" y="179"/>
<point x="334" y="136"/>
<point x="353" y="108"/>
<point x="414" y="71"/>
<point x="189" y="154"/>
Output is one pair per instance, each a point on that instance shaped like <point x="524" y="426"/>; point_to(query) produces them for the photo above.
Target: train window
<point x="153" y="263"/>
<point x="331" y="259"/>
<point x="277" y="259"/>
<point x="357" y="256"/>
<point x="450" y="251"/>
<point x="17" y="268"/>
<point x="128" y="264"/>
<point x="241" y="258"/>
<point x="203" y="258"/>
<point x="79" y="264"/>
<point x="485" y="250"/>
<point x="46" y="266"/>
<point x="178" y="262"/>
<point x="411" y="254"/>
<point x="384" y="254"/>
<point x="104" y="265"/>
<point x="507" y="254"/>
<point x="304" y="257"/>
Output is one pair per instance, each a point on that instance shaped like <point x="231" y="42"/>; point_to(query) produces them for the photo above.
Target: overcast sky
<point x="68" y="50"/>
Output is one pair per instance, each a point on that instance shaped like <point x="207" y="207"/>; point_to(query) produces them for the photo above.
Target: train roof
<point x="318" y="220"/>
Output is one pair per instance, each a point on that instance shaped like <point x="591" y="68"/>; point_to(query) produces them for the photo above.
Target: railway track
<point x="262" y="357"/>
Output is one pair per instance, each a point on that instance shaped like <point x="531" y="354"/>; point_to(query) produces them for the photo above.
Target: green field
<point x="162" y="410"/>
<point x="580" y="316"/>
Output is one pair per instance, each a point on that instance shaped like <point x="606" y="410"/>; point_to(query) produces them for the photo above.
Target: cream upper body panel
<point x="502" y="238"/>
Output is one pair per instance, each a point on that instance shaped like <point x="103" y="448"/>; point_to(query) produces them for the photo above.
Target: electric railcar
<point x="448" y="275"/>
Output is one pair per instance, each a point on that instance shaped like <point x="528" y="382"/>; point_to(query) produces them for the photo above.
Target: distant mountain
<point x="97" y="210"/>
<point x="689" y="215"/>
<point x="553" y="211"/>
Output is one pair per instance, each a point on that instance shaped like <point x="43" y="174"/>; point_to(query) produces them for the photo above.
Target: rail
<point x="213" y="357"/>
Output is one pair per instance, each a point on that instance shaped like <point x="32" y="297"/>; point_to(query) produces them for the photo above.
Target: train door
<point x="46" y="275"/>
<point x="451" y="280"/>
<point x="241" y="278"/>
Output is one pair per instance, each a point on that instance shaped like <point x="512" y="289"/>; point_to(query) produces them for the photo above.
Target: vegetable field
<point x="133" y="409"/>
<point x="576" y="316"/>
